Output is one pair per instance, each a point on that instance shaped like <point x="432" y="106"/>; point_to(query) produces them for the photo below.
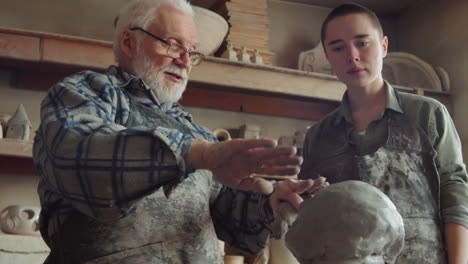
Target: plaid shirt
<point x="103" y="151"/>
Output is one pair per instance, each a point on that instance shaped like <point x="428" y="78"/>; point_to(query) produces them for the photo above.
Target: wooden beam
<point x="263" y="104"/>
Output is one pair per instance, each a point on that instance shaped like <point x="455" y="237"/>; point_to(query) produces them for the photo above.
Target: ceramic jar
<point x="20" y="220"/>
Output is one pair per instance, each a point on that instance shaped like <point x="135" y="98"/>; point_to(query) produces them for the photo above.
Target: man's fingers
<point x="270" y="153"/>
<point x="282" y="161"/>
<point x="294" y="199"/>
<point x="245" y="144"/>
<point x="278" y="170"/>
<point x="303" y="185"/>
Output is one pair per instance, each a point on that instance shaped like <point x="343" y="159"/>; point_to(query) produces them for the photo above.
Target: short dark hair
<point x="346" y="9"/>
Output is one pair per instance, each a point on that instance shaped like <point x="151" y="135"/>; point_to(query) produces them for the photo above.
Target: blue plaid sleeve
<point x="84" y="153"/>
<point x="243" y="219"/>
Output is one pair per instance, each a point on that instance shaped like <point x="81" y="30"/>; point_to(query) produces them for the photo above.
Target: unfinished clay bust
<point x="350" y="222"/>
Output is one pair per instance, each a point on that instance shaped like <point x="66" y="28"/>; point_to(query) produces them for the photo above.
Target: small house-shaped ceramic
<point x="19" y="126"/>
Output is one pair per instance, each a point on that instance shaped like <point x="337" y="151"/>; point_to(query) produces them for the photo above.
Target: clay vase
<point x="20" y="220"/>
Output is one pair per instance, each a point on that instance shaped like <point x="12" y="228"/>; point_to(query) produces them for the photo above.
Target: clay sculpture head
<point x="351" y="222"/>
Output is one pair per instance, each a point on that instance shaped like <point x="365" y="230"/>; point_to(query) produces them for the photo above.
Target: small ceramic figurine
<point x="3" y="123"/>
<point x="231" y="53"/>
<point x="19" y="125"/>
<point x="257" y="58"/>
<point x="243" y="55"/>
<point x="20" y="220"/>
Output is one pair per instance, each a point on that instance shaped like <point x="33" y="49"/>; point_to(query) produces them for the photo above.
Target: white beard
<point x="154" y="78"/>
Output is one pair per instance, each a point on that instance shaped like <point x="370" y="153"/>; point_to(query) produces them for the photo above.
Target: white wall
<point x="293" y="28"/>
<point x="437" y="34"/>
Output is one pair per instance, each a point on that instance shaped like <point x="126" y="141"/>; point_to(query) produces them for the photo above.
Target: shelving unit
<point x="39" y="60"/>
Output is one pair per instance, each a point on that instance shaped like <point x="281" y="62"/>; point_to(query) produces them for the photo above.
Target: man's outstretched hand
<point x="234" y="161"/>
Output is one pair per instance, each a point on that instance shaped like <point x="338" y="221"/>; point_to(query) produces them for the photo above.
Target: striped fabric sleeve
<point x="84" y="153"/>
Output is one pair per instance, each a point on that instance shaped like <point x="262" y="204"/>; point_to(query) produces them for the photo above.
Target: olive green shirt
<point x="431" y="116"/>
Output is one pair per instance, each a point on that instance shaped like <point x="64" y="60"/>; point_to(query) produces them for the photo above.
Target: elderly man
<point x="128" y="177"/>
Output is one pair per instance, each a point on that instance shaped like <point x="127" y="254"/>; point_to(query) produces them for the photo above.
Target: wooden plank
<point x="16" y="165"/>
<point x="252" y="77"/>
<point x="18" y="47"/>
<point x="260" y="37"/>
<point x="231" y="100"/>
<point x="78" y="54"/>
<point x="252" y="18"/>
<point x="250" y="4"/>
<point x="41" y="78"/>
<point x="248" y="29"/>
<point x="15" y="147"/>
<point x="242" y="9"/>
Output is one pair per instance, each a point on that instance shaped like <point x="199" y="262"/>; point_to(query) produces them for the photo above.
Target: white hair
<point x="141" y="13"/>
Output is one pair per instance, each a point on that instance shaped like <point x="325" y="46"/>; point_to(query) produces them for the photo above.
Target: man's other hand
<point x="232" y="162"/>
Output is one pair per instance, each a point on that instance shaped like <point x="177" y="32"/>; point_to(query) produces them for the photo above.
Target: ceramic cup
<point x="20" y="220"/>
<point x="222" y="134"/>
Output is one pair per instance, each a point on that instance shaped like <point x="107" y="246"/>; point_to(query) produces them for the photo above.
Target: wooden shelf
<point x="42" y="59"/>
<point x="22" y="249"/>
<point x="15" y="156"/>
<point x="15" y="148"/>
<point x="23" y="243"/>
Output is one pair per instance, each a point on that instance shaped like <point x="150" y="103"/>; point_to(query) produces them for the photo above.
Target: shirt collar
<point x="137" y="86"/>
<point x="344" y="112"/>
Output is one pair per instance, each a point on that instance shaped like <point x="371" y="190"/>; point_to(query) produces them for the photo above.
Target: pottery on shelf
<point x="20" y="220"/>
<point x="256" y="57"/>
<point x="19" y="126"/>
<point x="212" y="29"/>
<point x="314" y="60"/>
<point x="222" y="134"/>
<point x="444" y="78"/>
<point x="405" y="69"/>
<point x="244" y="56"/>
<point x="231" y="53"/>
<point x="3" y="122"/>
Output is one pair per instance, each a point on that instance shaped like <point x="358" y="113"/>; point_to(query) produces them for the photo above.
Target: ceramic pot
<point x="222" y="134"/>
<point x="20" y="220"/>
<point x="212" y="29"/>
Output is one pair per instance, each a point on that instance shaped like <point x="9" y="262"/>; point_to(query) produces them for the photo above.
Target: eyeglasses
<point x="176" y="51"/>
